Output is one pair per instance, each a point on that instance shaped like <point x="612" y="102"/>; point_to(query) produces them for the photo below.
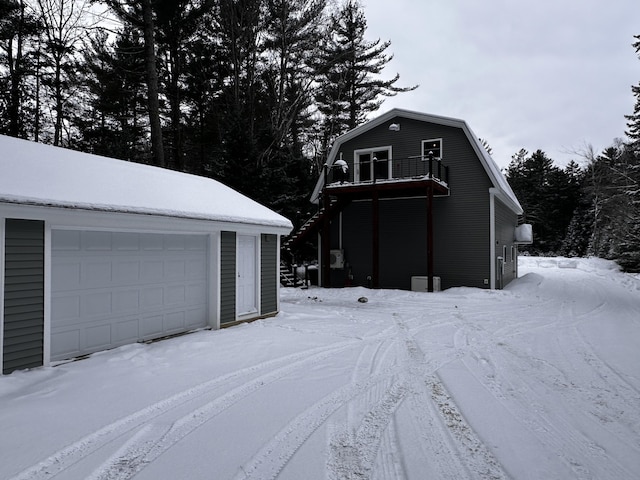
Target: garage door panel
<point x="98" y="336"/>
<point x="193" y="317"/>
<point x="175" y="294"/>
<point x="110" y="289"/>
<point x="152" y="297"/>
<point x="174" y="322"/>
<point x="175" y="269"/>
<point x="67" y="274"/>
<point x="126" y="272"/>
<point x="151" y="270"/>
<point x="65" y="240"/>
<point x="96" y="274"/>
<point x="127" y="331"/>
<point x="65" y="309"/>
<point x="151" y="326"/>
<point x="95" y="304"/>
<point x="125" y="301"/>
<point x="65" y="343"/>
<point x="96" y="241"/>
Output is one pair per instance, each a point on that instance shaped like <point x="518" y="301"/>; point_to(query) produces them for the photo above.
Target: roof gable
<point x="500" y="185"/>
<point x="37" y="174"/>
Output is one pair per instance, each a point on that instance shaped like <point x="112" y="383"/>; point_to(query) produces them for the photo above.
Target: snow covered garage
<point x="96" y="253"/>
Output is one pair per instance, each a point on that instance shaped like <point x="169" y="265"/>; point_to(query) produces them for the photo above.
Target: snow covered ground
<point x="538" y="381"/>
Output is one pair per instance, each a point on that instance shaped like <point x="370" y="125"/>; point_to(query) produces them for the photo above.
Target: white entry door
<point x="247" y="272"/>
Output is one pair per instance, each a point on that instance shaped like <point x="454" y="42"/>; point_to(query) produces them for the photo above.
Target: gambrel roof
<point x="500" y="185"/>
<point x="42" y="175"/>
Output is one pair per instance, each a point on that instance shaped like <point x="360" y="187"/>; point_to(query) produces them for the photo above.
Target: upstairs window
<point x="434" y="145"/>
<point x="373" y="163"/>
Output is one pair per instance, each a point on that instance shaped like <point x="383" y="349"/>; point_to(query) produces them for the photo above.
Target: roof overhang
<point x="499" y="182"/>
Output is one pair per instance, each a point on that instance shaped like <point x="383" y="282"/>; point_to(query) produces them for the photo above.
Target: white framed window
<point x="372" y="163"/>
<point x="433" y="145"/>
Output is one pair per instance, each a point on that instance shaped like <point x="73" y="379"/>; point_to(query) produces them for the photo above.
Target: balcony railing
<point x="388" y="170"/>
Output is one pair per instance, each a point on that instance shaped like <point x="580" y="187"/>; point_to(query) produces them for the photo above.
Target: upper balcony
<point x="388" y="177"/>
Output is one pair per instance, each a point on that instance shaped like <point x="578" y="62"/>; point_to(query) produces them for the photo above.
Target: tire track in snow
<point x="524" y="401"/>
<point x="352" y="455"/>
<point x="434" y="411"/>
<point x="61" y="460"/>
<point x="367" y="375"/>
<point x="156" y="441"/>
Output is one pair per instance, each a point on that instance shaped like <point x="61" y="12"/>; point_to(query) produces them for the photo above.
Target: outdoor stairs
<point x="287" y="278"/>
<point x="310" y="226"/>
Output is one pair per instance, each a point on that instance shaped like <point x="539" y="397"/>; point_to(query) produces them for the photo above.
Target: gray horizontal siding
<point x="23" y="341"/>
<point x="268" y="274"/>
<point x="461" y="221"/>
<point x="227" y="277"/>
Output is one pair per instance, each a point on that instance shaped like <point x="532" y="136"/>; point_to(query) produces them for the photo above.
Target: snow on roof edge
<point x="37" y="174"/>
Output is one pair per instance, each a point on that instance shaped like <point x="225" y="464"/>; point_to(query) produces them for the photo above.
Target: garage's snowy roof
<point x="37" y="174"/>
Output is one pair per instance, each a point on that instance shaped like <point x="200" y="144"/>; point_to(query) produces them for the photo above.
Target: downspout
<point x="492" y="238"/>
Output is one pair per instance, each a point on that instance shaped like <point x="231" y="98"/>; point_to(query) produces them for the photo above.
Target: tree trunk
<point x="152" y="85"/>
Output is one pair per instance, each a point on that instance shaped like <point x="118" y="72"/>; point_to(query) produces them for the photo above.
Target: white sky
<point x="545" y="74"/>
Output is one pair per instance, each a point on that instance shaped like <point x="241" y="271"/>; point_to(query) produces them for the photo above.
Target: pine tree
<point x="633" y="120"/>
<point x="548" y="196"/>
<point x="141" y="16"/>
<point x="113" y="120"/>
<point x="19" y="28"/>
<point x="348" y="73"/>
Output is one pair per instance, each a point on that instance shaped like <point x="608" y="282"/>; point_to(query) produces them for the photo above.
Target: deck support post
<point x="375" y="241"/>
<point x="430" y="237"/>
<point x="326" y="234"/>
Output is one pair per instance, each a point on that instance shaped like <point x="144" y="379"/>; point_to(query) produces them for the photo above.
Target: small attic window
<point x="433" y="145"/>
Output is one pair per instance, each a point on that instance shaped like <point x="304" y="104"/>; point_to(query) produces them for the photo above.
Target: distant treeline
<point x="593" y="209"/>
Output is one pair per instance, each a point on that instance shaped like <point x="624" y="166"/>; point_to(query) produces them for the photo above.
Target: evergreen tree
<point x="178" y="21"/>
<point x="633" y="120"/>
<point x="348" y="73"/>
<point x="548" y="196"/>
<point x="113" y="121"/>
<point x="141" y="16"/>
<point x="19" y="28"/>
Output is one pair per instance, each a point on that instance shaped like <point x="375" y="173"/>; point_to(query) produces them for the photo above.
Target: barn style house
<point x="96" y="253"/>
<point x="414" y="201"/>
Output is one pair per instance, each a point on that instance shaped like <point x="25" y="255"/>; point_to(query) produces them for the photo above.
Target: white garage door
<point x="110" y="288"/>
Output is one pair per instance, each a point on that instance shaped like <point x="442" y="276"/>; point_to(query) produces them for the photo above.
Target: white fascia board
<point x="70" y="218"/>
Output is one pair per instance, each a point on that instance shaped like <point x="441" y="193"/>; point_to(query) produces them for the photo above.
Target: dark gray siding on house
<point x="268" y="274"/>
<point x="227" y="277"/>
<point x="506" y="222"/>
<point x="461" y="221"/>
<point x="23" y="295"/>
<point x="356" y="243"/>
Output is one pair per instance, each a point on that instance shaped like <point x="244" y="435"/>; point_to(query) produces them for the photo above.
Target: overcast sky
<point x="554" y="75"/>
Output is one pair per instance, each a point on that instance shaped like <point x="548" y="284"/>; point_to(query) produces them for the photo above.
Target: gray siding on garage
<point x="227" y="277"/>
<point x="268" y="274"/>
<point x="23" y="295"/>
